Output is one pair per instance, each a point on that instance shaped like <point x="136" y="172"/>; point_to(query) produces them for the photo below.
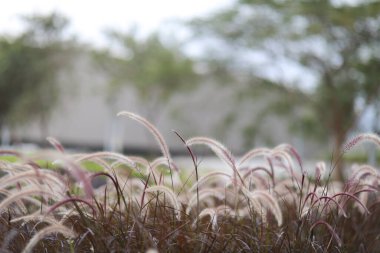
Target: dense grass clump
<point x="263" y="202"/>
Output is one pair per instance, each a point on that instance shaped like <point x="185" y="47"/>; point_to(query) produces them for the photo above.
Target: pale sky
<point x="90" y="18"/>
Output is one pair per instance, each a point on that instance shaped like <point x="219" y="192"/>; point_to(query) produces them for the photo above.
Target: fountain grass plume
<point x="37" y="217"/>
<point x="138" y="160"/>
<point x="285" y="161"/>
<point x="258" y="181"/>
<point x="56" y="228"/>
<point x="252" y="154"/>
<point x="154" y="131"/>
<point x="266" y="200"/>
<point x="221" y="151"/>
<point x="291" y="150"/>
<point x="45" y="175"/>
<point x="68" y="200"/>
<point x="161" y="141"/>
<point x="353" y="197"/>
<point x="252" y="174"/>
<point x="25" y="193"/>
<point x="367" y="137"/>
<point x="212" y="213"/>
<point x="163" y="161"/>
<point x="109" y="155"/>
<point x="203" y="194"/>
<point x="56" y="144"/>
<point x="320" y="170"/>
<point x="171" y="196"/>
<point x="254" y="205"/>
<point x="209" y="176"/>
<point x="80" y="174"/>
<point x="67" y="163"/>
<point x="329" y="228"/>
<point x="249" y="170"/>
<point x="327" y="201"/>
<point x="363" y="171"/>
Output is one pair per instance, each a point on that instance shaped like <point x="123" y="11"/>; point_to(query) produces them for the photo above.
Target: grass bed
<point x="49" y="203"/>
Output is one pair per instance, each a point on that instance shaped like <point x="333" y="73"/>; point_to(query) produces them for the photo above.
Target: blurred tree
<point x="337" y="42"/>
<point x="155" y="69"/>
<point x="29" y="68"/>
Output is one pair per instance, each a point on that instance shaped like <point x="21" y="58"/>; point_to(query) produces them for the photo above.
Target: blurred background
<point x="248" y="73"/>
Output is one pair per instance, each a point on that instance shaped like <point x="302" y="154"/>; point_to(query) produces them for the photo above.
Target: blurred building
<point x="85" y="120"/>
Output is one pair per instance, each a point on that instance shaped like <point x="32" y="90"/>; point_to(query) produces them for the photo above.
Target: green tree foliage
<point x="154" y="68"/>
<point x="335" y="41"/>
<point x="29" y="68"/>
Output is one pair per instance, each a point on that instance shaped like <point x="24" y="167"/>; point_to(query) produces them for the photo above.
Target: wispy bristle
<point x="37" y="217"/>
<point x="110" y="155"/>
<point x="65" y="231"/>
<point x="139" y="160"/>
<point x="290" y="149"/>
<point x="320" y="169"/>
<point x="152" y="251"/>
<point x="56" y="144"/>
<point x="209" y="176"/>
<point x="353" y="197"/>
<point x="254" y="202"/>
<point x="202" y="195"/>
<point x="369" y="137"/>
<point x="45" y="175"/>
<point x="331" y="230"/>
<point x="286" y="159"/>
<point x="82" y="177"/>
<point x="213" y="217"/>
<point x="222" y="152"/>
<point x="171" y="195"/>
<point x="363" y="171"/>
<point x="163" y="161"/>
<point x="71" y="166"/>
<point x="267" y="200"/>
<point x="219" y="149"/>
<point x="254" y="153"/>
<point x="27" y="192"/>
<point x="152" y="129"/>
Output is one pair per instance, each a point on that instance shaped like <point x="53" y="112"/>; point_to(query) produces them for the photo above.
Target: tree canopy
<point x="154" y="68"/>
<point x="29" y="68"/>
<point x="337" y="42"/>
